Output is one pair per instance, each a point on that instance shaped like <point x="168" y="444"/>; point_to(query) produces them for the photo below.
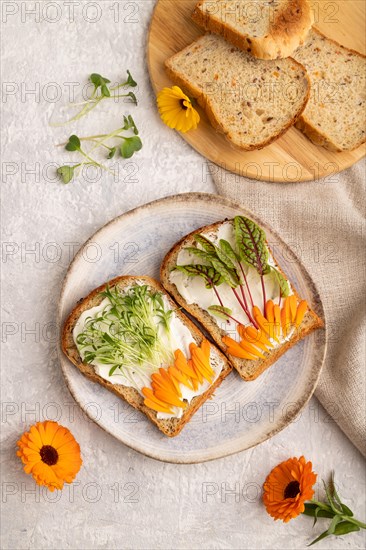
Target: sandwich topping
<point x="133" y="338"/>
<point x="232" y="275"/>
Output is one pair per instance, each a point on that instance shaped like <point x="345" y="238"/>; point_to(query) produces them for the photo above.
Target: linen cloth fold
<point x="324" y="221"/>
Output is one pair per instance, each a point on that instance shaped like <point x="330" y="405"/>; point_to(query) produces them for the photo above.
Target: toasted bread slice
<point x="247" y="368"/>
<point x="251" y="101"/>
<point x="266" y="29"/>
<point x="335" y="114"/>
<point x="169" y="426"/>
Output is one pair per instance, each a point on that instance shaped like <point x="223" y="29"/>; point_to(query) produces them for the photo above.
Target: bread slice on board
<point x="266" y="29"/>
<point x="251" y="101"/>
<point x="171" y="426"/>
<point x="335" y="116"/>
<point x="247" y="368"/>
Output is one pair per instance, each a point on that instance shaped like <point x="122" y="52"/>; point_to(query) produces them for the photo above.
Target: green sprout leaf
<point x="130" y="146"/>
<point x="283" y="283"/>
<point x="220" y="311"/>
<point x="66" y="173"/>
<point x="112" y="152"/>
<point x="208" y="273"/>
<point x="132" y="96"/>
<point x="73" y="144"/>
<point x="130" y="123"/>
<point x="251" y="243"/>
<point x="99" y="81"/>
<point x="130" y="81"/>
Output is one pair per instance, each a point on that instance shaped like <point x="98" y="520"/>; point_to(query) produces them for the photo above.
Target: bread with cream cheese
<point x="247" y="368"/>
<point x="169" y="426"/>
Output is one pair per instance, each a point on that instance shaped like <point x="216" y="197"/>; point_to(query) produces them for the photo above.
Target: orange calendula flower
<point x="50" y="453"/>
<point x="287" y="488"/>
<point x="176" y="110"/>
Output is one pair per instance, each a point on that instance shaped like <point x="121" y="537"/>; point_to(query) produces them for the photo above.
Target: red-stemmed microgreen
<point x="226" y="264"/>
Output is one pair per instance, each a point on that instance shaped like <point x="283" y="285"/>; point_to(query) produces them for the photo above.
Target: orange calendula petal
<point x="300" y="313"/>
<point x="241" y="353"/>
<point x="183" y="365"/>
<point x="250" y="348"/>
<point x="158" y="408"/>
<point x="277" y="317"/>
<point x="206" y="348"/>
<point x="171" y="380"/>
<point x="180" y="377"/>
<point x="253" y="335"/>
<point x="171" y="398"/>
<point x="293" y="307"/>
<point x="269" y="311"/>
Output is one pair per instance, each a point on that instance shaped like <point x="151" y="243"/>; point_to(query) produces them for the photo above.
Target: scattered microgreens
<point x="127" y="334"/>
<point x="102" y="91"/>
<point x="224" y="264"/>
<point x="128" y="146"/>
<point x="342" y="522"/>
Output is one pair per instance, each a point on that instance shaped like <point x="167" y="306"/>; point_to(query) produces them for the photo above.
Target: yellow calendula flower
<point x="176" y="110"/>
<point x="50" y="453"/>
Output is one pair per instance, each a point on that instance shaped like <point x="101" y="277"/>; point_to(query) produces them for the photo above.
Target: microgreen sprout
<point x="102" y="91"/>
<point x="128" y="334"/>
<point x="127" y="145"/>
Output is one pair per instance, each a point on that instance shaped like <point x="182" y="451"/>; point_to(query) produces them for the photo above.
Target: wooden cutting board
<point x="292" y="158"/>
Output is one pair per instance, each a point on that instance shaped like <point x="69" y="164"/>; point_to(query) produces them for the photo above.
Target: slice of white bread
<point x="171" y="426"/>
<point x="251" y="101"/>
<point x="335" y="116"/>
<point x="266" y="29"/>
<point x="248" y="369"/>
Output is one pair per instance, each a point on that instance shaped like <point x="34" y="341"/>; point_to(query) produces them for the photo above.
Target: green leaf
<point x="105" y="91"/>
<point x="283" y="283"/>
<point x="66" y="173"/>
<point x="130" y="81"/>
<point x="99" y="80"/>
<point x="130" y="123"/>
<point x="347" y="511"/>
<point x="130" y="146"/>
<point x="73" y="144"/>
<point x="251" y="243"/>
<point x="220" y="311"/>
<point x="330" y="499"/>
<point x="200" y="253"/>
<point x="132" y="96"/>
<point x="211" y="276"/>
<point x="229" y="277"/>
<point x="342" y="528"/>
<point x="228" y="250"/>
<point x="206" y="244"/>
<point x="112" y="152"/>
<point x="112" y="370"/>
<point x="314" y="510"/>
<point x="225" y="258"/>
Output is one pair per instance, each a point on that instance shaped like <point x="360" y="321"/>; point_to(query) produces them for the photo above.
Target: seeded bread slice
<point x="248" y="369"/>
<point x="267" y="29"/>
<point x="251" y="101"/>
<point x="335" y="116"/>
<point x="170" y="427"/>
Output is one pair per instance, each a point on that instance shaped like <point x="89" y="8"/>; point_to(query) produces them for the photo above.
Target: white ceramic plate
<point x="241" y="414"/>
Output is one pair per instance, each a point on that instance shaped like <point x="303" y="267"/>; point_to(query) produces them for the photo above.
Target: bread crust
<point x="285" y="33"/>
<point x="305" y="125"/>
<point x="204" y="102"/>
<point x="310" y="323"/>
<point x="170" y="427"/>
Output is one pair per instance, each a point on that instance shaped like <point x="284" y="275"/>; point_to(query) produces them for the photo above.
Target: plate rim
<point x="194" y="197"/>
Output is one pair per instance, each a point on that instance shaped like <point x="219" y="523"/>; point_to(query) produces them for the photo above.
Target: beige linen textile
<point x="324" y="222"/>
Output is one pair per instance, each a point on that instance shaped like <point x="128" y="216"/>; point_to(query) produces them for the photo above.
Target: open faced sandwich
<point x="227" y="278"/>
<point x="129" y="336"/>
